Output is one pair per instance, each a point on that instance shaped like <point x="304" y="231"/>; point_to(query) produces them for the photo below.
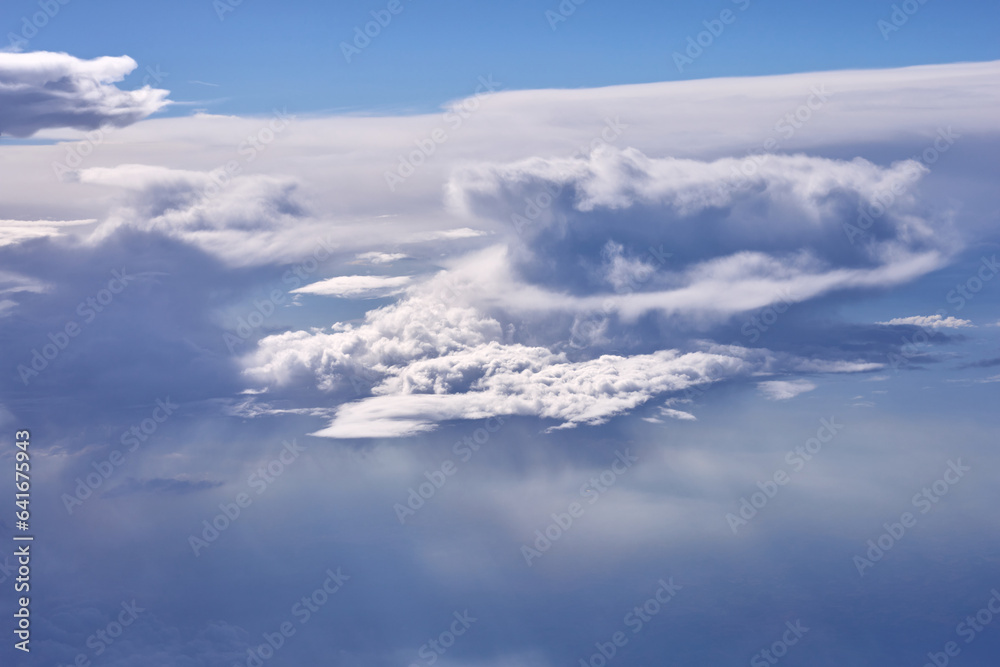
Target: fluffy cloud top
<point x="50" y="90"/>
<point x="619" y="234"/>
<point x="697" y="237"/>
<point x="246" y="220"/>
<point x="581" y="264"/>
<point x="433" y="357"/>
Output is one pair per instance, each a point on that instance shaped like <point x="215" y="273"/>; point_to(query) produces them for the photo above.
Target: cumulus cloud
<point x="621" y="234"/>
<point x="52" y="90"/>
<point x="357" y="287"/>
<point x="722" y="241"/>
<point x="586" y="249"/>
<point x="245" y="220"/>
<point x="520" y="380"/>
<point x="932" y="321"/>
<point x="433" y="357"/>
<point x="782" y="390"/>
<point x="433" y="360"/>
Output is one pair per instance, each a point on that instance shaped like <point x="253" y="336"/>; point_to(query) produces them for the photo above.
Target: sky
<point x="512" y="335"/>
<point x="258" y="55"/>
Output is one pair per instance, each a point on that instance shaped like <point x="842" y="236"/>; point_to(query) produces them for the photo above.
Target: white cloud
<point x="358" y="287"/>
<point x="430" y="358"/>
<point x="727" y="243"/>
<point x="16" y="231"/>
<point x="782" y="390"/>
<point x="376" y="257"/>
<point x="245" y="220"/>
<point x="54" y="90"/>
<point x="434" y="357"/>
<point x="518" y="380"/>
<point x="933" y="321"/>
<point x="497" y="344"/>
<point x="342" y="190"/>
<point x="677" y="414"/>
<point x="447" y="235"/>
<point x="14" y="283"/>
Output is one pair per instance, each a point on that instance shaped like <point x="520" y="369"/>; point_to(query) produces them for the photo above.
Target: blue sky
<point x="265" y="54"/>
<point x="512" y="341"/>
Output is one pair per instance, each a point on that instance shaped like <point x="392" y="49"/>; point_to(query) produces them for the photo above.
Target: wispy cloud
<point x="932" y="321"/>
<point x="357" y="287"/>
<point x="782" y="390"/>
